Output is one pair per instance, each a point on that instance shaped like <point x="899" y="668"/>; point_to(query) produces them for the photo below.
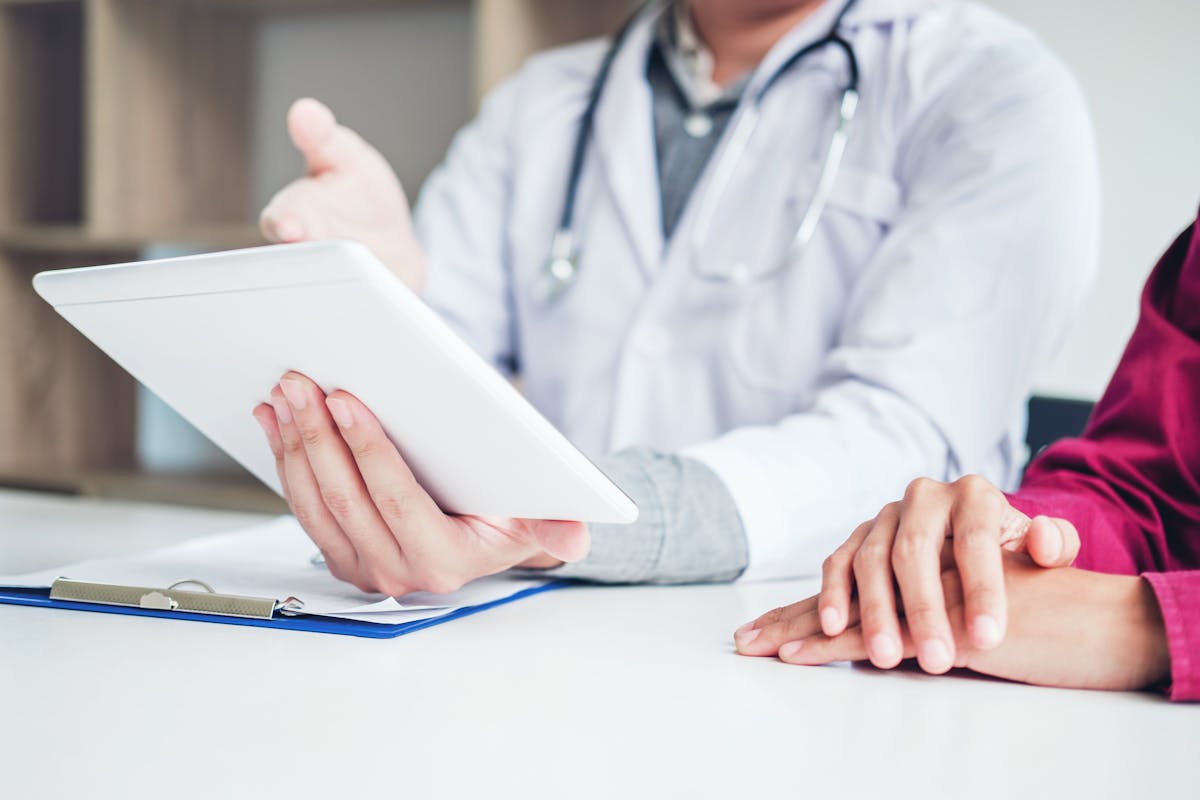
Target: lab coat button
<point x="698" y="125"/>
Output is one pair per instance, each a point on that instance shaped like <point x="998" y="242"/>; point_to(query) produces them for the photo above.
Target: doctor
<point x="762" y="259"/>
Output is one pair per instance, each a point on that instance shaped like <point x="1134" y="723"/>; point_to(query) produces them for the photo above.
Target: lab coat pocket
<point x="783" y="326"/>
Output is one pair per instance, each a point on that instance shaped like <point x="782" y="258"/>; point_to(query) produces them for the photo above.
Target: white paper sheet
<point x="270" y="560"/>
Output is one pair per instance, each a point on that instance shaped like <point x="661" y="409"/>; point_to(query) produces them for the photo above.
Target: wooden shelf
<point x="71" y="239"/>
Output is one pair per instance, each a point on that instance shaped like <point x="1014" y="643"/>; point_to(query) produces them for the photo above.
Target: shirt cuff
<point x="688" y="529"/>
<point x="1178" y="596"/>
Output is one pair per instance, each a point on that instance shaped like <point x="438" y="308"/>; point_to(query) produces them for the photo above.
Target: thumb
<point x="566" y="541"/>
<point x="324" y="143"/>
<point x="1052" y="542"/>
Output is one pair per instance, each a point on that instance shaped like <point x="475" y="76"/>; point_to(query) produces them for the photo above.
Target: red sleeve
<point x="1131" y="482"/>
<point x="1178" y="596"/>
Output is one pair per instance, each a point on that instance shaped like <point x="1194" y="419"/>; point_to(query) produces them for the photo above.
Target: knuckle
<point x="293" y="446"/>
<point x="833" y="564"/>
<point x="874" y="612"/>
<point x="440" y="581"/>
<point x="362" y="447"/>
<point x="388" y="583"/>
<point x="392" y="506"/>
<point x="981" y="596"/>
<point x="311" y="436"/>
<point x="924" y="615"/>
<point x="308" y="515"/>
<point x="974" y="483"/>
<point x="920" y="487"/>
<point x="871" y="554"/>
<point x="336" y="569"/>
<point x="340" y="501"/>
<point x="908" y="547"/>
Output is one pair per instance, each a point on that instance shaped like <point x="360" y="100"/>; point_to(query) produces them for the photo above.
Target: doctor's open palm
<point x="349" y="192"/>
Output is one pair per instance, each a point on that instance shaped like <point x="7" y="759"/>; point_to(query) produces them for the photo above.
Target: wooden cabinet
<point x="127" y="123"/>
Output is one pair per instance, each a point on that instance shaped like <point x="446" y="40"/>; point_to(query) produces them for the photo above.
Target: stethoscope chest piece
<point x="561" y="268"/>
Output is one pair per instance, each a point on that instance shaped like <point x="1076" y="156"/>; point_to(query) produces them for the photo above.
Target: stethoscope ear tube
<point x="562" y="266"/>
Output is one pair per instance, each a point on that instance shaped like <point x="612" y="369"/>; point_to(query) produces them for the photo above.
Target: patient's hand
<point x="1067" y="627"/>
<point x="895" y="560"/>
<point x="377" y="528"/>
<point x="350" y="192"/>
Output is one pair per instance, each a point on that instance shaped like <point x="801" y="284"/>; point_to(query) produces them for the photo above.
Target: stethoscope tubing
<point x="562" y="267"/>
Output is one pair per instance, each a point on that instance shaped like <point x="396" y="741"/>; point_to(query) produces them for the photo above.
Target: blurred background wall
<point x="408" y="73"/>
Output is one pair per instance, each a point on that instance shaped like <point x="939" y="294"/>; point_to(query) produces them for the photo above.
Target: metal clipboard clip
<point x="171" y="598"/>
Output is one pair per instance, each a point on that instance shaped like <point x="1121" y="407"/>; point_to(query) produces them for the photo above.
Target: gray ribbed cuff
<point x="688" y="528"/>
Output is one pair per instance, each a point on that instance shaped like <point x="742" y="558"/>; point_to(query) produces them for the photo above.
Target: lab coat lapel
<point x="624" y="142"/>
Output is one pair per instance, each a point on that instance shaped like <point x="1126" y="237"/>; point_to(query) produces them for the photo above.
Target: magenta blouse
<point x="1131" y="482"/>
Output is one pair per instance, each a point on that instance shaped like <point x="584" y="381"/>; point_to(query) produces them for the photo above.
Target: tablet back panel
<point x="211" y="335"/>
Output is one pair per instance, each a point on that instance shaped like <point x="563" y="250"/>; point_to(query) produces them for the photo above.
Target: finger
<point x="848" y="646"/>
<point x="324" y="143"/>
<point x="767" y="639"/>
<point x="876" y="594"/>
<point x="1052" y="542"/>
<point x="566" y="541"/>
<point x="976" y="521"/>
<point x="342" y="489"/>
<point x="264" y="414"/>
<point x="837" y="579"/>
<point x="748" y="632"/>
<point x="294" y="214"/>
<point x="304" y="496"/>
<point x="277" y="225"/>
<point x="920" y="535"/>
<point x="434" y="550"/>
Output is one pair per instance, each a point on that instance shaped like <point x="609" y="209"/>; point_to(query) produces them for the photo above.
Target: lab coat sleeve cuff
<point x="688" y="529"/>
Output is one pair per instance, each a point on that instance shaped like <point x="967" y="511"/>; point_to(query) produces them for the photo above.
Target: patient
<point x="959" y="575"/>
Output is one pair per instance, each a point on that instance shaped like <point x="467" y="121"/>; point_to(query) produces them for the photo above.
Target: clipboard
<point x="41" y="598"/>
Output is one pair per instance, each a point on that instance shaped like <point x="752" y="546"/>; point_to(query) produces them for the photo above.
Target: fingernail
<point x="749" y="626"/>
<point x="261" y="424"/>
<point x="885" y="649"/>
<point x="340" y="410"/>
<point x="789" y="650"/>
<point x="282" y="412"/>
<point x="745" y="639"/>
<point x="294" y="393"/>
<point x="986" y="631"/>
<point x="1054" y="546"/>
<point x="934" y="656"/>
<point x="830" y="617"/>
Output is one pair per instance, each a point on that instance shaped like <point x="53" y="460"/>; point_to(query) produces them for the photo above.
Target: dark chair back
<point x="1054" y="418"/>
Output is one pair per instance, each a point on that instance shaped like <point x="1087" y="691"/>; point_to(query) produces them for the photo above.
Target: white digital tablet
<point x="212" y="334"/>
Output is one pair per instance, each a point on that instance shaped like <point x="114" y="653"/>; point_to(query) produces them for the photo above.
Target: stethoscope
<point x="562" y="267"/>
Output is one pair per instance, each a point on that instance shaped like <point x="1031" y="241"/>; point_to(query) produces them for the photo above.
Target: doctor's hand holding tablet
<point x="762" y="261"/>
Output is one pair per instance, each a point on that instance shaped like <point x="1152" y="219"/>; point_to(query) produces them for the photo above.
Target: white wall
<point x="1139" y="65"/>
<point x="400" y="76"/>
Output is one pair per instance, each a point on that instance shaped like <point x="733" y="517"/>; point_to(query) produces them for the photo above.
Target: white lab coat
<point x="956" y="248"/>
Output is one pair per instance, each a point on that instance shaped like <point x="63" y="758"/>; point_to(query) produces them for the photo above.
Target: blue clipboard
<point x="40" y="598"/>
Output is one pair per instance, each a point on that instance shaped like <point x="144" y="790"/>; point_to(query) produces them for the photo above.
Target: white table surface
<point x="588" y="692"/>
